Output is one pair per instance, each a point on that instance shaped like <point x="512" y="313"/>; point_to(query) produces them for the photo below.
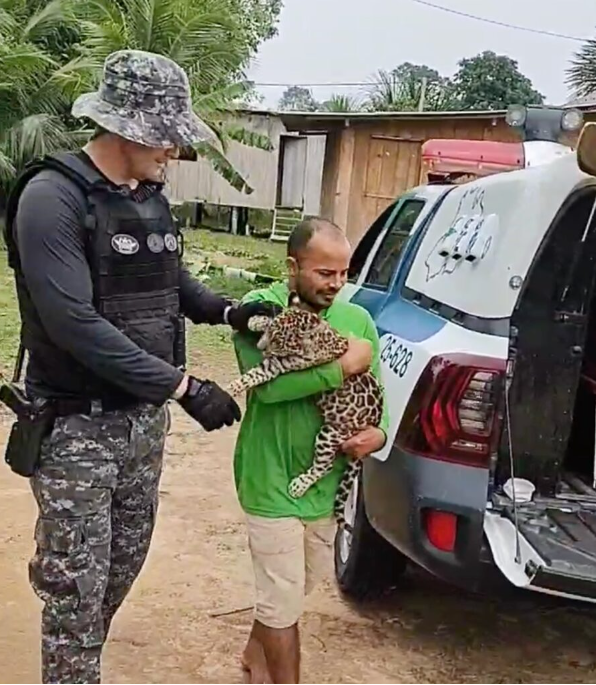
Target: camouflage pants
<point x="97" y="490"/>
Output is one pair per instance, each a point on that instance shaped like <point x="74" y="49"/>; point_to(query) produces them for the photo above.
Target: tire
<point x="366" y="565"/>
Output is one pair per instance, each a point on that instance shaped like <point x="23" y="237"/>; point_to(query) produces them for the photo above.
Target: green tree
<point x="34" y="40"/>
<point x="212" y="40"/>
<point x="50" y="52"/>
<point x="490" y="81"/>
<point x="298" y="99"/>
<point x="407" y="87"/>
<point x="581" y="75"/>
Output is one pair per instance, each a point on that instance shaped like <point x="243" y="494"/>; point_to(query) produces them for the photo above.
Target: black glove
<point x="239" y="315"/>
<point x="208" y="404"/>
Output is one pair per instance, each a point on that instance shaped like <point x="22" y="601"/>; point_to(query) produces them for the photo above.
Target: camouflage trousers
<point x="97" y="491"/>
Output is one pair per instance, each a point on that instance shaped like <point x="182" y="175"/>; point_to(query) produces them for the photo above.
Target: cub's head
<point x="301" y="333"/>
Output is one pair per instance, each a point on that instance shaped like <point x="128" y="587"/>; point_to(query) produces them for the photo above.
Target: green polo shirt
<point x="277" y="434"/>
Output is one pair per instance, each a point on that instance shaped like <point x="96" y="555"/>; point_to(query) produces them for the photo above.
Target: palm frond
<point x="200" y="36"/>
<point x="342" y="103"/>
<point x="76" y="77"/>
<point x="55" y="14"/>
<point x="99" y="11"/>
<point x="21" y="61"/>
<point x="249" y="138"/>
<point x="42" y="73"/>
<point x="218" y="101"/>
<point x="35" y="136"/>
<point x="385" y="93"/>
<point x="7" y="169"/>
<point x="581" y="75"/>
<point x="8" y="24"/>
<point x="150" y="24"/>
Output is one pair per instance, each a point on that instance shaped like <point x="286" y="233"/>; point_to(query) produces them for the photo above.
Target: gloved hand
<point x="239" y="315"/>
<point x="208" y="404"/>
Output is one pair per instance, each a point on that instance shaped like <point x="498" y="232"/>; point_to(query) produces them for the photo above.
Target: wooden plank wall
<point x="331" y="163"/>
<point x="197" y="181"/>
<point x="379" y="161"/>
<point x="315" y="155"/>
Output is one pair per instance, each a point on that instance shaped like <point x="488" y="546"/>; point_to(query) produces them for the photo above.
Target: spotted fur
<point x="298" y="339"/>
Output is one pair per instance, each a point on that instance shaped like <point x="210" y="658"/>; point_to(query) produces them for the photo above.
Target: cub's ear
<point x="293" y="299"/>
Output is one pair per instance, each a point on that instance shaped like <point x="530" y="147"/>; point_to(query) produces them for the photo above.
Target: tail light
<point x="441" y="529"/>
<point x="454" y="412"/>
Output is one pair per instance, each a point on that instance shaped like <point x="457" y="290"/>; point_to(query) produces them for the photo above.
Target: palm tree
<point x="341" y="103"/>
<point x="201" y="37"/>
<point x="32" y="112"/>
<point x="581" y="75"/>
<point x="401" y="90"/>
<point x="50" y="52"/>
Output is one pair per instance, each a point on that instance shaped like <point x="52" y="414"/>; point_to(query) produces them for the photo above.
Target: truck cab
<point x="483" y="296"/>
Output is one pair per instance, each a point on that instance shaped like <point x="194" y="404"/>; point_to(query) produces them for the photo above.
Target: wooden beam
<point x="344" y="178"/>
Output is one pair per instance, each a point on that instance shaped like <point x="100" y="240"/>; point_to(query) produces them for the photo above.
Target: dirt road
<point x="198" y="567"/>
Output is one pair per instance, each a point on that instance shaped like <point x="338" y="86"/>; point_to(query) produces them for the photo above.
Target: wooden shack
<point x="371" y="158"/>
<point x="286" y="178"/>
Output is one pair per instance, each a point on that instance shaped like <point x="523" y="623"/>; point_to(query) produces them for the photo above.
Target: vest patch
<point x="125" y="244"/>
<point x="155" y="243"/>
<point x="171" y="243"/>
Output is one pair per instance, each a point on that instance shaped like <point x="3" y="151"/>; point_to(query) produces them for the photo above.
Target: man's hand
<point x="208" y="404"/>
<point x="366" y="442"/>
<point x="239" y="315"/>
<point x="357" y="359"/>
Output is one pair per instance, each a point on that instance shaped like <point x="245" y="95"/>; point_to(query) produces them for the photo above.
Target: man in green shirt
<point x="291" y="540"/>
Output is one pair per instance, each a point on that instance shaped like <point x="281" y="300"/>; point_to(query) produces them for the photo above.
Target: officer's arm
<point x="51" y="242"/>
<point x="198" y="302"/>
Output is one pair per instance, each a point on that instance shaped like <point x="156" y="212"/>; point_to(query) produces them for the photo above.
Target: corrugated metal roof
<point x="331" y="116"/>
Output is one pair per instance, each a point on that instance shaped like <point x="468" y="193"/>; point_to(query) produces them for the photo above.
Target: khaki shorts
<point x="290" y="557"/>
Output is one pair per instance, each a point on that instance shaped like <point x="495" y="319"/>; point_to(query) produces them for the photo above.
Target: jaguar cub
<point x="298" y="339"/>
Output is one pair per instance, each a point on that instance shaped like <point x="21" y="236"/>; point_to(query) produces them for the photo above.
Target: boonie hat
<point x="145" y="98"/>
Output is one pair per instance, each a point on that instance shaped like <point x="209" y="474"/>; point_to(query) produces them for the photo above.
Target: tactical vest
<point x="134" y="251"/>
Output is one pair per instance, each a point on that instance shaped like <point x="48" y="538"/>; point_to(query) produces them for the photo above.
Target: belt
<point x="67" y="407"/>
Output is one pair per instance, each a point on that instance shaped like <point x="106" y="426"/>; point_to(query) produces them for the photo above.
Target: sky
<point x="348" y="40"/>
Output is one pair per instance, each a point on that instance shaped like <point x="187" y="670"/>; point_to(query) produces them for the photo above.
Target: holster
<point x="35" y="421"/>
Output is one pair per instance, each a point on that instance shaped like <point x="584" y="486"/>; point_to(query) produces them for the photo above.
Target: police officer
<point x="103" y="296"/>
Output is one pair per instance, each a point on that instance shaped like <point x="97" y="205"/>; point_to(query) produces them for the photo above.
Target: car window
<point x="367" y="242"/>
<point x="387" y="257"/>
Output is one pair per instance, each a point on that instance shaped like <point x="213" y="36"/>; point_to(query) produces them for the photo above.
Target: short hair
<point x="304" y="231"/>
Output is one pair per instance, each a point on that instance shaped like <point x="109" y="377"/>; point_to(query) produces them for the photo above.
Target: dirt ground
<point x="187" y="617"/>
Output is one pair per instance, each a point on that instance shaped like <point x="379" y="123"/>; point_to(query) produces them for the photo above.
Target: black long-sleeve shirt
<point x="50" y="235"/>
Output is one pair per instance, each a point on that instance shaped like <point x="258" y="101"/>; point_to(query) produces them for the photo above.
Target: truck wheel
<point x="366" y="565"/>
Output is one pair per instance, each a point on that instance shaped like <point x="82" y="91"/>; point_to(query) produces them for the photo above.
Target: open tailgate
<point x="557" y="547"/>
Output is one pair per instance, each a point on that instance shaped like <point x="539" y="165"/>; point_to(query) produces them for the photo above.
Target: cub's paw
<point x="298" y="486"/>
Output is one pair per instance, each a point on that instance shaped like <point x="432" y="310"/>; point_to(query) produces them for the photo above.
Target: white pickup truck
<point x="483" y="295"/>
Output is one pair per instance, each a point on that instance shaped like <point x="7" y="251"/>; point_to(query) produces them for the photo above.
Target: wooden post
<point x="197" y="219"/>
<point x="422" y="94"/>
<point x="234" y="220"/>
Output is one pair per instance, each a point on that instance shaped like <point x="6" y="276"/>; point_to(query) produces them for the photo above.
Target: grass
<point x="9" y="318"/>
<point x="206" y="344"/>
<point x="212" y="344"/>
<point x="261" y="256"/>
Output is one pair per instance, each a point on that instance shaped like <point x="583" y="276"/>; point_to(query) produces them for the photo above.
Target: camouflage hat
<point x="145" y="98"/>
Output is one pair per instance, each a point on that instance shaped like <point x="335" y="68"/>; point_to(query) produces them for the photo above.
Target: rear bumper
<point x="396" y="494"/>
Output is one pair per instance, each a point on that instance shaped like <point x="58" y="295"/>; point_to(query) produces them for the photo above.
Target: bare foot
<point x="254" y="663"/>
